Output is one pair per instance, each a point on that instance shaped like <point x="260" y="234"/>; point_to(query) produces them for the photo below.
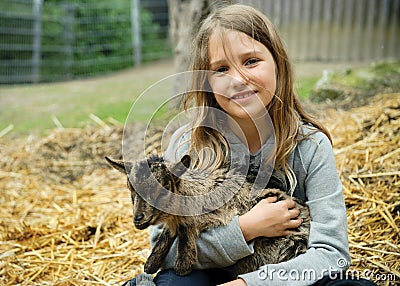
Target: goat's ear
<point x="119" y="165"/>
<point x="186" y="161"/>
<point x="181" y="166"/>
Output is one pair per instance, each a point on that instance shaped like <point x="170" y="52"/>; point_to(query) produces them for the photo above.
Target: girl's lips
<point x="243" y="96"/>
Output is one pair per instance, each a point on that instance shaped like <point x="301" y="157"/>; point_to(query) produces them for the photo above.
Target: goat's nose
<point x="138" y="217"/>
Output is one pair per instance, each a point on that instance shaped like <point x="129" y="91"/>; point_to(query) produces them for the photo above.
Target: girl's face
<point x="243" y="81"/>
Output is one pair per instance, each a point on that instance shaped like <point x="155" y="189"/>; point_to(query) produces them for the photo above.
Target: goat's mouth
<point x="142" y="224"/>
<point x="145" y="223"/>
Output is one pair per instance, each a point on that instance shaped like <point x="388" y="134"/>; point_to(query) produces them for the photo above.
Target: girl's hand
<point x="237" y="282"/>
<point x="270" y="218"/>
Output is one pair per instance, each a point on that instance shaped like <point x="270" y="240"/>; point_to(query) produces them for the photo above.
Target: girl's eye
<point x="221" y="70"/>
<point x="252" y="61"/>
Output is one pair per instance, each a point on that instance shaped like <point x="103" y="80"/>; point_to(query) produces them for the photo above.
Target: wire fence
<point x="42" y="41"/>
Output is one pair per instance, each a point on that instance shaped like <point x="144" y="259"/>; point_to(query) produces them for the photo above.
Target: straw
<point x="366" y="146"/>
<point x="66" y="216"/>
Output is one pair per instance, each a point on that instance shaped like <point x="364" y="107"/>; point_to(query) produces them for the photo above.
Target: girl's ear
<point x="119" y="165"/>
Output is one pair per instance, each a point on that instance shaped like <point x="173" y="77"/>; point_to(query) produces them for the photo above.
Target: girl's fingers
<point x="294" y="213"/>
<point x="294" y="223"/>
<point x="290" y="204"/>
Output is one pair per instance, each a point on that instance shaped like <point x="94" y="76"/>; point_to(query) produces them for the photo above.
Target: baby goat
<point x="187" y="228"/>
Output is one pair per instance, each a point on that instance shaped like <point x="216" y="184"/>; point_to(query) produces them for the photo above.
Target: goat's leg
<point x="159" y="252"/>
<point x="187" y="250"/>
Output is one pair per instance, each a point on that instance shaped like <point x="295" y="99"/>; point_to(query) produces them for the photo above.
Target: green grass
<point x="118" y="111"/>
<point x="30" y="108"/>
<point x="304" y="86"/>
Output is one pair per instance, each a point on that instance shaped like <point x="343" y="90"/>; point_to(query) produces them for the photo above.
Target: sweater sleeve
<point x="328" y="251"/>
<point x="214" y="249"/>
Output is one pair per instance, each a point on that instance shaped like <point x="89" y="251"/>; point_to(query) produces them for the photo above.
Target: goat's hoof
<point x="182" y="270"/>
<point x="150" y="268"/>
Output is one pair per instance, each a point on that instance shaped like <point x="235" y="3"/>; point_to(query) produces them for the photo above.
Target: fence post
<point x="382" y="29"/>
<point x="370" y="30"/>
<point x="136" y="32"/>
<point x="394" y="31"/>
<point x="68" y="39"/>
<point x="37" y="34"/>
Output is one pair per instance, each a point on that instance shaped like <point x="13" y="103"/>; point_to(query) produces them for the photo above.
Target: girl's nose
<point x="238" y="78"/>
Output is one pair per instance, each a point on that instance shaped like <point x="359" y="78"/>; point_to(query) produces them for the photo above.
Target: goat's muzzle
<point x="140" y="222"/>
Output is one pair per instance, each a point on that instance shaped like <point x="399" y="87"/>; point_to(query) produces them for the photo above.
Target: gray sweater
<point x="318" y="184"/>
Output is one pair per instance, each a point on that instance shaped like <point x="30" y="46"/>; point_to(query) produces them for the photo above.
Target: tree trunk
<point x="185" y="17"/>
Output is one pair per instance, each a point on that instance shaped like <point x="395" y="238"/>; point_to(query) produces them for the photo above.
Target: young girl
<point x="250" y="79"/>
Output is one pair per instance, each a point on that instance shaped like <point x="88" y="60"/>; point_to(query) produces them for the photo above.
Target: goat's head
<point x="147" y="178"/>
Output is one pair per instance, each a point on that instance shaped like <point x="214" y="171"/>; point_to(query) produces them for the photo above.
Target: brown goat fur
<point x="188" y="228"/>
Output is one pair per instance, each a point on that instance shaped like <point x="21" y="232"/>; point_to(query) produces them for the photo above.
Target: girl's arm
<point x="328" y="245"/>
<point x="328" y="251"/>
<point x="214" y="249"/>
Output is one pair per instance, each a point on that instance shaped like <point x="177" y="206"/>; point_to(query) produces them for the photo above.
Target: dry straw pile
<point x="367" y="150"/>
<point x="66" y="219"/>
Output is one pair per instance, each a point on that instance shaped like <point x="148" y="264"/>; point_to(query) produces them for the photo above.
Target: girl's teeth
<point x="242" y="96"/>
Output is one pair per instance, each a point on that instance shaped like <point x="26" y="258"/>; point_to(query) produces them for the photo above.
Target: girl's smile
<point x="243" y="74"/>
<point x="243" y="96"/>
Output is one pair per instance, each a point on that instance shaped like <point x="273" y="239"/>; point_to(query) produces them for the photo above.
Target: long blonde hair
<point x="284" y="109"/>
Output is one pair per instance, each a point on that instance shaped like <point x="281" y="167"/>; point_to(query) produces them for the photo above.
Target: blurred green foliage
<point x="358" y="83"/>
<point x="79" y="38"/>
